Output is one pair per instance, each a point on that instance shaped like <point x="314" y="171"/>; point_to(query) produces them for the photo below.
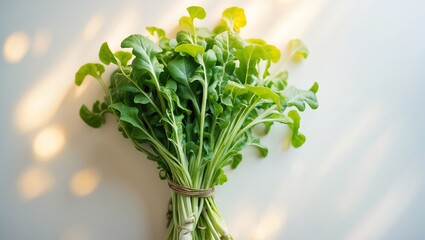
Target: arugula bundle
<point x="190" y="104"/>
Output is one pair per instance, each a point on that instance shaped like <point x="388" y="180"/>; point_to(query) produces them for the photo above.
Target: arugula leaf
<point x="145" y="51"/>
<point x="265" y="93"/>
<point x="256" y="41"/>
<point x="236" y="89"/>
<point x="182" y="69"/>
<point x="128" y="114"/>
<point x="210" y="59"/>
<point x="314" y="88"/>
<point x="272" y="52"/>
<point x="142" y="46"/>
<point x="141" y="99"/>
<point x="186" y="22"/>
<point x="237" y="158"/>
<point x="107" y="57"/>
<point x="295" y="97"/>
<point x="105" y="54"/>
<point x="196" y="12"/>
<point x="298" y="139"/>
<point x="131" y="115"/>
<point x="233" y="19"/>
<point x="158" y="31"/>
<point x="263" y="150"/>
<point x="277" y="82"/>
<point x="172" y="97"/>
<point x="193" y="50"/>
<point x="249" y="58"/>
<point x="297" y="50"/>
<point x="221" y="178"/>
<point x="96" y="117"/>
<point x="123" y="57"/>
<point x="93" y="69"/>
<point x="183" y="37"/>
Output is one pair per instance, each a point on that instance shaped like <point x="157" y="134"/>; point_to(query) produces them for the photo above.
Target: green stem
<point x="205" y="223"/>
<point x="257" y="120"/>
<point x="201" y="128"/>
<point x="225" y="141"/>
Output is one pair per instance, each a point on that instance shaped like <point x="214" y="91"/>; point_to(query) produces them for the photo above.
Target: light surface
<point x="360" y="175"/>
<point x="15" y="47"/>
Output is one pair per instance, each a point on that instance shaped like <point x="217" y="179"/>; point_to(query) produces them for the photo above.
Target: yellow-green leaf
<point x="234" y="18"/>
<point x="297" y="50"/>
<point x="191" y="49"/>
<point x="123" y="57"/>
<point x="93" y="69"/>
<point x="196" y="12"/>
<point x="158" y="31"/>
<point x="106" y="55"/>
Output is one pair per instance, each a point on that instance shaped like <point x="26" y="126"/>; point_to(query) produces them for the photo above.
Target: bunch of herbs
<point x="190" y="104"/>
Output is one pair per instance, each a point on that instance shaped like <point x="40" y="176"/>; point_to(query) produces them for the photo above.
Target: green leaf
<point x="93" y="69"/>
<point x="265" y="93"/>
<point x="196" y="12"/>
<point x="96" y="117"/>
<point x="297" y="50"/>
<point x="298" y="139"/>
<point x="191" y="49"/>
<point x="210" y="59"/>
<point x="297" y="98"/>
<point x="222" y="178"/>
<point x="171" y="97"/>
<point x="158" y="31"/>
<point x="142" y="46"/>
<point x="141" y="99"/>
<point x="233" y="19"/>
<point x="222" y="40"/>
<point x="184" y="37"/>
<point x="120" y="84"/>
<point x="263" y="150"/>
<point x="249" y="57"/>
<point x="273" y="52"/>
<point x="105" y="54"/>
<point x="314" y="88"/>
<point x="182" y="69"/>
<point x="216" y="108"/>
<point x="267" y="127"/>
<point x="281" y="118"/>
<point x="145" y="51"/>
<point x="123" y="57"/>
<point x="235" y="88"/>
<point x="186" y="23"/>
<point x="129" y="115"/>
<point x="236" y="160"/>
<point x="277" y="82"/>
<point x="256" y="41"/>
<point x="204" y="33"/>
<point x="171" y="84"/>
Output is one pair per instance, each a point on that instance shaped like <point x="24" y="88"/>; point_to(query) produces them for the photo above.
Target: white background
<point x="360" y="175"/>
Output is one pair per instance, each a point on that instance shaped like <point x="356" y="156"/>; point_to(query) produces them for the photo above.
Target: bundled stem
<point x="188" y="223"/>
